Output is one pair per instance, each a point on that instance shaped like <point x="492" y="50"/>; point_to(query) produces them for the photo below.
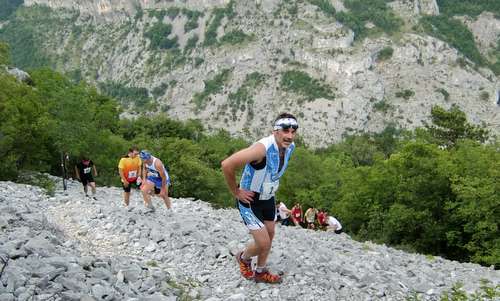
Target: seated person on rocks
<point x="284" y="214"/>
<point x="156" y="178"/>
<point x="333" y="224"/>
<point x="297" y="215"/>
<point x="321" y="216"/>
<point x="310" y="216"/>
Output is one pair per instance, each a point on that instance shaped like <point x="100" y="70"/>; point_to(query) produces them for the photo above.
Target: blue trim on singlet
<point x="253" y="179"/>
<point x="250" y="220"/>
<point x="155" y="177"/>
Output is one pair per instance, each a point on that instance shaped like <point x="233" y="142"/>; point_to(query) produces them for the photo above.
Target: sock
<point x="260" y="269"/>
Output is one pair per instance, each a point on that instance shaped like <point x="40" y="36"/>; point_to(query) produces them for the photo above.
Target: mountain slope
<point x="71" y="247"/>
<point x="235" y="65"/>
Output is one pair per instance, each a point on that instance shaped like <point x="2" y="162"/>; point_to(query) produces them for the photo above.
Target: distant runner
<point x="265" y="162"/>
<point x="156" y="178"/>
<point x="130" y="169"/>
<point x="85" y="172"/>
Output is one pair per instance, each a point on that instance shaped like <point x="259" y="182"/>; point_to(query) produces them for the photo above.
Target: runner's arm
<point x="159" y="166"/>
<point x="254" y="153"/>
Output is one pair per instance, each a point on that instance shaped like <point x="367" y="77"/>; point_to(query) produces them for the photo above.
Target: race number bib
<point x="87" y="170"/>
<point x="153" y="174"/>
<point x="268" y="190"/>
<point x="132" y="174"/>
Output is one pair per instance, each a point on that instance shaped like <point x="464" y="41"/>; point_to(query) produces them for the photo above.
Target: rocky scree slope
<point x="227" y="63"/>
<point x="67" y="247"/>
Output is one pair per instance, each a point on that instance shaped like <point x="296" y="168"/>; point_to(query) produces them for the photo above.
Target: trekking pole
<point x="63" y="170"/>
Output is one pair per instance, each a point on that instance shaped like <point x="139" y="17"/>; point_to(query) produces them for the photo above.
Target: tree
<point x="4" y="54"/>
<point x="450" y="126"/>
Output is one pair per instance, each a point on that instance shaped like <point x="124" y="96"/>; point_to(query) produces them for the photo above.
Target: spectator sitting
<point x="310" y="216"/>
<point x="333" y="225"/>
<point x="297" y="214"/>
<point x="284" y="214"/>
<point x="321" y="216"/>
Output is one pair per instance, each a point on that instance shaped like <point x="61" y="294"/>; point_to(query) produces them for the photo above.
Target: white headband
<point x="278" y="125"/>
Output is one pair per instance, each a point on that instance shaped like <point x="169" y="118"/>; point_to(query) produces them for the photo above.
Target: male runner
<point x="265" y="162"/>
<point x="156" y="178"/>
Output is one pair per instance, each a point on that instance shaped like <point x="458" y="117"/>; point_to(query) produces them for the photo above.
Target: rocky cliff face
<point x="109" y="45"/>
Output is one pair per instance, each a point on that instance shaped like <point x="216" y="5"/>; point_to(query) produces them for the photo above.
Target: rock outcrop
<point x="105" y="42"/>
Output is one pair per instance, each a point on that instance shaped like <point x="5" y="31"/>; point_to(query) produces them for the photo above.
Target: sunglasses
<point x="287" y="126"/>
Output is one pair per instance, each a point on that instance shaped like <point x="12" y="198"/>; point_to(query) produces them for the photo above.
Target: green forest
<point x="435" y="190"/>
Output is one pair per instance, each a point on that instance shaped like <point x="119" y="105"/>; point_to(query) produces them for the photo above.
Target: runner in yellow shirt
<point x="130" y="172"/>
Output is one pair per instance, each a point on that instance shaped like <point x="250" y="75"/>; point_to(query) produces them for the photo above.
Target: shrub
<point x="158" y="36"/>
<point x="385" y="53"/>
<point x="212" y="86"/>
<point x="375" y="11"/>
<point x="191" y="44"/>
<point x="382" y="106"/>
<point x="468" y="7"/>
<point x="325" y="6"/>
<point x="234" y="37"/>
<point x="455" y="33"/>
<point x="484" y="95"/>
<point x="7" y="7"/>
<point x="243" y="97"/>
<point x="40" y="180"/>
<point x="445" y="93"/>
<point x="301" y="83"/>
<point x="217" y="15"/>
<point x="406" y="94"/>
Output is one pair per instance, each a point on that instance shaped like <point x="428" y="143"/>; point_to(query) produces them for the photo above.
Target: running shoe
<point x="245" y="266"/>
<point x="267" y="277"/>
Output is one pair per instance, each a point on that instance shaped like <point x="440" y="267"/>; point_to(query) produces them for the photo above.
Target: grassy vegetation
<point x="192" y="19"/>
<point x="235" y="37"/>
<point x="382" y="106"/>
<point x="26" y="33"/>
<point x="286" y="9"/>
<point x="159" y="90"/>
<point x="191" y="44"/>
<point x="468" y="7"/>
<point x="139" y="97"/>
<point x="325" y="6"/>
<point x="445" y="93"/>
<point x="38" y="179"/>
<point x="385" y="53"/>
<point x="486" y="291"/>
<point x="158" y="13"/>
<point x="158" y="36"/>
<point x="242" y="99"/>
<point x="455" y="33"/>
<point x="215" y="21"/>
<point x="406" y="94"/>
<point x="212" y="86"/>
<point x="7" y="7"/>
<point x="301" y="83"/>
<point x="375" y="11"/>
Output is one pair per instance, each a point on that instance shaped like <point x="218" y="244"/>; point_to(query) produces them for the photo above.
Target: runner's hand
<point x="244" y="195"/>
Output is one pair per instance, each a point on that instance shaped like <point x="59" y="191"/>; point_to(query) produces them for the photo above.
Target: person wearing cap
<point x="130" y="169"/>
<point x="264" y="163"/>
<point x="156" y="178"/>
<point x="85" y="172"/>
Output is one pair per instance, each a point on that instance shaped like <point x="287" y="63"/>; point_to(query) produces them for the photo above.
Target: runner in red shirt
<point x="297" y="215"/>
<point x="321" y="216"/>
